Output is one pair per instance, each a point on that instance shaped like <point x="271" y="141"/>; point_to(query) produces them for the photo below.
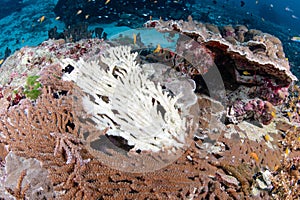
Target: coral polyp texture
<point x="83" y="116"/>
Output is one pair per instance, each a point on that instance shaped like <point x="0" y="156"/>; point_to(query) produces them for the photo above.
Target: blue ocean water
<point x="285" y="13"/>
<point x="27" y="22"/>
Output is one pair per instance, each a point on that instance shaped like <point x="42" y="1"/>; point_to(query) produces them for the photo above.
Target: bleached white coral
<point x="137" y="109"/>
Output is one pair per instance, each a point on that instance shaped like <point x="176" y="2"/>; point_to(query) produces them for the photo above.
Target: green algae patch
<point x="32" y="87"/>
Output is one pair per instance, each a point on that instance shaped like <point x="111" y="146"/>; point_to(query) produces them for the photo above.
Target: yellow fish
<point x="158" y="48"/>
<point x="273" y="114"/>
<point x="1" y="61"/>
<point x="246" y="73"/>
<point x="287" y="152"/>
<point x="134" y="38"/>
<point x="87" y="16"/>
<point x="57" y="18"/>
<point x="107" y="1"/>
<point x="79" y="12"/>
<point x="296" y="39"/>
<point x="41" y="19"/>
<point x="150" y="17"/>
<point x="267" y="137"/>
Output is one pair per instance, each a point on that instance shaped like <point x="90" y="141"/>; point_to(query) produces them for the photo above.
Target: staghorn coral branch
<point x="68" y="143"/>
<point x="19" y="192"/>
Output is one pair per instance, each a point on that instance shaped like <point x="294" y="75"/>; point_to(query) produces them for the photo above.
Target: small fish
<point x="254" y="156"/>
<point x="134" y="38"/>
<point x="287" y="152"/>
<point x="273" y="114"/>
<point x="271" y="5"/>
<point x="1" y="61"/>
<point x="288" y="9"/>
<point x="57" y="18"/>
<point x="87" y="16"/>
<point x="150" y="17"/>
<point x="256" y="2"/>
<point x="295" y="128"/>
<point x="79" y="12"/>
<point x="246" y="73"/>
<point x="289" y="114"/>
<point x="267" y="137"/>
<point x="107" y="1"/>
<point x="295" y="17"/>
<point x="158" y="49"/>
<point x="242" y="3"/>
<point x="262" y="19"/>
<point x="276" y="167"/>
<point x="41" y="19"/>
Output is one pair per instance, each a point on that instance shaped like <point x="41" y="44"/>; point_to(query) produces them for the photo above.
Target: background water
<point x="275" y="11"/>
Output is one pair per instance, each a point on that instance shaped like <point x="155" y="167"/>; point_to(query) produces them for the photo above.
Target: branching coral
<point x="32" y="130"/>
<point x="137" y="109"/>
<point x="19" y="192"/>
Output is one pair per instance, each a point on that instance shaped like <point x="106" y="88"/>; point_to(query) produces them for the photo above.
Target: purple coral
<point x="255" y="109"/>
<point x="272" y="93"/>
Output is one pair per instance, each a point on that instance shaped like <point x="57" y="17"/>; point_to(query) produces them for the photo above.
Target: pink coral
<point x="254" y="109"/>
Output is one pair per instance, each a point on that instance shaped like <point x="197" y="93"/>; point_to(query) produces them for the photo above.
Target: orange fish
<point x="158" y="49"/>
<point x="254" y="156"/>
<point x="134" y="38"/>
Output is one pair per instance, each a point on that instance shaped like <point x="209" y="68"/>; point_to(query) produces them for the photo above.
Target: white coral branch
<point x="138" y="110"/>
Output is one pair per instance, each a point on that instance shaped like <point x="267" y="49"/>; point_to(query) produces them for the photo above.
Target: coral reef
<point x="253" y="62"/>
<point x="72" y="131"/>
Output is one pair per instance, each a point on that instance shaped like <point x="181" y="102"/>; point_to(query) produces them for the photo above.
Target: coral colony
<point x="93" y="119"/>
